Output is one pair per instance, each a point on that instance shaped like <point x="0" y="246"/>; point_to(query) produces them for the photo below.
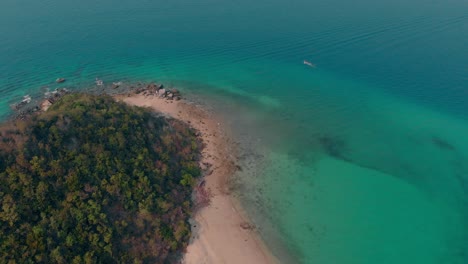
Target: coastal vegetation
<point x="92" y="180"/>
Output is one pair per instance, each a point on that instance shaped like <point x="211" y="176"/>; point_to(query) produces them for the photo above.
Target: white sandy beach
<point x="220" y="233"/>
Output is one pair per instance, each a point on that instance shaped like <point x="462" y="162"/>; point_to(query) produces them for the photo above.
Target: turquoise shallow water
<point x="363" y="159"/>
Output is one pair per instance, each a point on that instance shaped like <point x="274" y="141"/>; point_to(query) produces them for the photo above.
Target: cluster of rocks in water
<point x="27" y="106"/>
<point x="60" y="80"/>
<point x="159" y="90"/>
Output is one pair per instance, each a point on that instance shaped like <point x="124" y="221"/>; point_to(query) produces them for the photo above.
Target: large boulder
<point x="45" y="105"/>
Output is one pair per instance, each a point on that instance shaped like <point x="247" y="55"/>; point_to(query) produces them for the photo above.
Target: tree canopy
<point x="94" y="180"/>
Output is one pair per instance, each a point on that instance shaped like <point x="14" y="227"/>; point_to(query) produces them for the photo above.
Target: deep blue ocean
<point x="360" y="159"/>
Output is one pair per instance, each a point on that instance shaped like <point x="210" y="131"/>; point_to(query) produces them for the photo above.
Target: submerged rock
<point x="116" y="85"/>
<point x="26" y="100"/>
<point x="247" y="226"/>
<point x="442" y="143"/>
<point x="333" y="146"/>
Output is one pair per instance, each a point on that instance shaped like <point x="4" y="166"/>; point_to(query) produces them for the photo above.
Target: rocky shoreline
<point x="28" y="106"/>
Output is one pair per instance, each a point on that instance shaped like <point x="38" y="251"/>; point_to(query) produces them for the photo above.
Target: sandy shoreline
<point x="221" y="230"/>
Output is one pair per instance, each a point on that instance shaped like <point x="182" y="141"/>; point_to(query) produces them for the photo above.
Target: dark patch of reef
<point x="442" y="143"/>
<point x="333" y="146"/>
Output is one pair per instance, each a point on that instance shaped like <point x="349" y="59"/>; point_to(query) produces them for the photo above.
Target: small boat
<point x="308" y="63"/>
<point x="60" y="80"/>
<point x="99" y="82"/>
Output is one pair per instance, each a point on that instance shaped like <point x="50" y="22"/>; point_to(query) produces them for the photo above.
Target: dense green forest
<point x="95" y="181"/>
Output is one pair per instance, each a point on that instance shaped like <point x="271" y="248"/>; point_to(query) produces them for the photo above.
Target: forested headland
<point x="95" y="181"/>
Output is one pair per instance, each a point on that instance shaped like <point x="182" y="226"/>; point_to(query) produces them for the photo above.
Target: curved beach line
<point x="222" y="233"/>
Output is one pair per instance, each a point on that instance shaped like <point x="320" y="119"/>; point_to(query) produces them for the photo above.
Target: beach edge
<point x="222" y="231"/>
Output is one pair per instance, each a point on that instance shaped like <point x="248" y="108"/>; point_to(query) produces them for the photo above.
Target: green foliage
<point x="187" y="180"/>
<point x="93" y="180"/>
